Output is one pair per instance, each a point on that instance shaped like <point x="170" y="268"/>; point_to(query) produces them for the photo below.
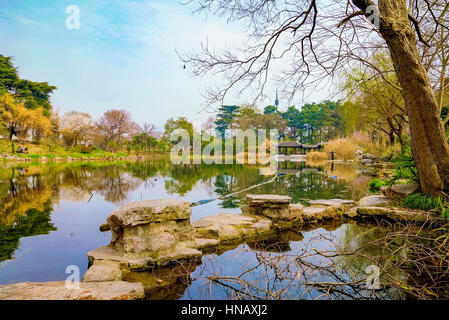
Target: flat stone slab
<point x="230" y="226"/>
<point x="149" y="211"/>
<point x="331" y="202"/>
<point x="318" y="213"/>
<point x="374" y="200"/>
<point x="104" y="253"/>
<point x="257" y="199"/>
<point x="400" y="191"/>
<point x="395" y="214"/>
<point x="103" y="270"/>
<point x="112" y="290"/>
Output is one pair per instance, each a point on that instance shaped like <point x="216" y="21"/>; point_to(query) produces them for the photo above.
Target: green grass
<point x="376" y="184"/>
<point x="37" y="151"/>
<point x="427" y="202"/>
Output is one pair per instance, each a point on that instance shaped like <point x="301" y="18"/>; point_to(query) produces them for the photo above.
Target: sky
<point x="123" y="56"/>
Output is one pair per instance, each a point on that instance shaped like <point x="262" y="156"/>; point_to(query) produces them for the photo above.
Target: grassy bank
<point x="40" y="151"/>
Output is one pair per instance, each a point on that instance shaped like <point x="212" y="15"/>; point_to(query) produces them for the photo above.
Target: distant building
<point x="276" y="102"/>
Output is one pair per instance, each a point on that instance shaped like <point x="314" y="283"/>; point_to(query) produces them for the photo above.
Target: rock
<point x="374" y="200"/>
<point x="150" y="211"/>
<point x="368" y="156"/>
<point x="110" y="290"/>
<point x="273" y="207"/>
<point x="205" y="244"/>
<point x="230" y="226"/>
<point x="103" y="270"/>
<point x="256" y="199"/>
<point x="104" y="253"/>
<point x="396" y="214"/>
<point x="367" y="162"/>
<point x="315" y="214"/>
<point x="331" y="202"/>
<point x="295" y="212"/>
<point x="399" y="191"/>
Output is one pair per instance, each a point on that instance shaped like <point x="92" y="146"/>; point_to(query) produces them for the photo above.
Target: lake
<point x="51" y="212"/>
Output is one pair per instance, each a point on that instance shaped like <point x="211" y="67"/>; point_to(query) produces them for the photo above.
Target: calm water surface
<point x="50" y="214"/>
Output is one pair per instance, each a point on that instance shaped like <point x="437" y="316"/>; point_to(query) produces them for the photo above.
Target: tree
<point x="39" y="124"/>
<point x="269" y="110"/>
<point x="181" y="123"/>
<point x="381" y="105"/>
<point x="14" y="116"/>
<point x="76" y="127"/>
<point x="225" y="118"/>
<point x="303" y="32"/>
<point x="20" y="121"/>
<point x="33" y="94"/>
<point x="115" y="126"/>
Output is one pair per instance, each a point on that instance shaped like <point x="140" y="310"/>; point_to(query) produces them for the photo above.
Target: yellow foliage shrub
<point x="317" y="156"/>
<point x="343" y="148"/>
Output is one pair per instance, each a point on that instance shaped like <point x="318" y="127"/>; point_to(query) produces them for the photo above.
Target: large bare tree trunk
<point x="427" y="131"/>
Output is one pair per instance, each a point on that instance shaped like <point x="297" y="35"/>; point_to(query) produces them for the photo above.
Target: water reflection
<point x="67" y="202"/>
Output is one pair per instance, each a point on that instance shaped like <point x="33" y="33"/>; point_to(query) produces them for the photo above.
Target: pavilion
<point x="294" y="147"/>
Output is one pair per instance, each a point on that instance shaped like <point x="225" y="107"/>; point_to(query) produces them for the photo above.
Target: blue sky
<point x="123" y="56"/>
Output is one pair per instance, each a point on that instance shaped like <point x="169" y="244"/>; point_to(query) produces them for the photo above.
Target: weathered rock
<point x="317" y="213"/>
<point x="103" y="270"/>
<point x="331" y="202"/>
<point x="295" y="212"/>
<point x="256" y="199"/>
<point x="374" y="200"/>
<point x="367" y="162"/>
<point x="395" y="214"/>
<point x="104" y="253"/>
<point x="111" y="290"/>
<point x="399" y="191"/>
<point x="230" y="226"/>
<point x="273" y="207"/>
<point x="150" y="211"/>
<point x="368" y="156"/>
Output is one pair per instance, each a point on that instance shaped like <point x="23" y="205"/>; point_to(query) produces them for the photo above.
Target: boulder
<point x="374" y="200"/>
<point x="315" y="214"/>
<point x="150" y="211"/>
<point x="368" y="156"/>
<point x="256" y="199"/>
<point x="273" y="207"/>
<point x="110" y="290"/>
<point x="231" y="227"/>
<point x="103" y="270"/>
<point x="367" y="162"/>
<point x="331" y="202"/>
<point x="399" y="191"/>
<point x="396" y="214"/>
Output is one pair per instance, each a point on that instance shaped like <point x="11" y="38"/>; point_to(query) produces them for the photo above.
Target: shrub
<point x="405" y="167"/>
<point x="86" y="149"/>
<point x="376" y="184"/>
<point x="344" y="148"/>
<point x="427" y="202"/>
<point x="317" y="156"/>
